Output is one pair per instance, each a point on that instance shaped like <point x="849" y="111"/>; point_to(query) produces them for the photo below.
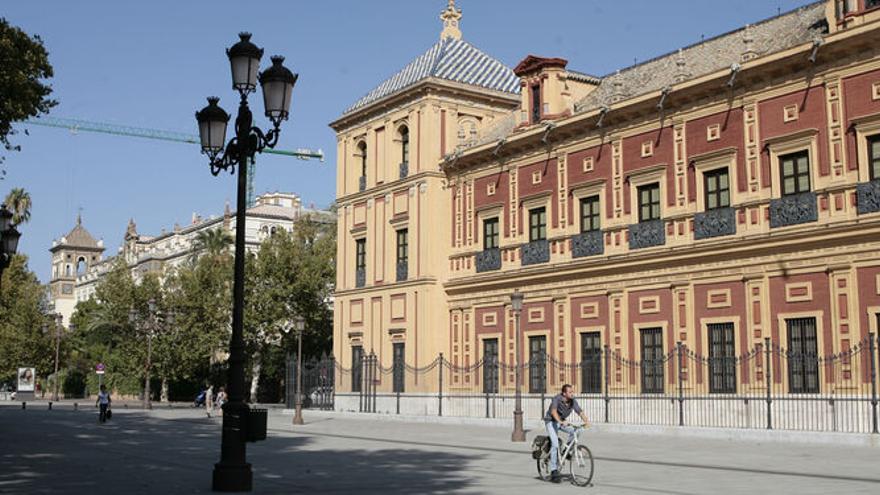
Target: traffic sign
<point x="99" y="368"/>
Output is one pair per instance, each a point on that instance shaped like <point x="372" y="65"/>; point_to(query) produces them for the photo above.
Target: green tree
<point x="24" y="66"/>
<point x="23" y="341"/>
<point x="19" y="203"/>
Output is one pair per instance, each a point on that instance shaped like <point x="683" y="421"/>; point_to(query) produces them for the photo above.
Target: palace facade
<point x="712" y="198"/>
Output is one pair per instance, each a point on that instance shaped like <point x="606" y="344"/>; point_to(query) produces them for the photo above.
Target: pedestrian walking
<point x="104" y="402"/>
<point x="209" y="400"/>
<point x="221" y="399"/>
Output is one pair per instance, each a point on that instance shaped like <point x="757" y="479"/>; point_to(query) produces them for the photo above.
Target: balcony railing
<point x="868" y="196"/>
<point x="715" y="223"/>
<point x="535" y="252"/>
<point x="362" y="183"/>
<point x="488" y="260"/>
<point x="793" y="209"/>
<point x="589" y="243"/>
<point x="360" y="277"/>
<point x="404" y="170"/>
<point x="647" y="234"/>
<point x="402" y="271"/>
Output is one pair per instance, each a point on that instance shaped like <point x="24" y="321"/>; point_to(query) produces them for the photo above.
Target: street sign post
<point x="99" y="370"/>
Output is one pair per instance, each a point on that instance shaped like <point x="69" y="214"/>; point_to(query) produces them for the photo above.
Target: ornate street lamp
<point x="8" y="238"/>
<point x="519" y="435"/>
<point x="299" y="325"/>
<point x="233" y="473"/>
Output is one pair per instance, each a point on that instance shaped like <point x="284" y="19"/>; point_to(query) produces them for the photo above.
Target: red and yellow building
<point x="717" y="196"/>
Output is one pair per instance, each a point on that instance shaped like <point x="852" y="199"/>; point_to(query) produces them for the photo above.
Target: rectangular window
<point x="536" y="104"/>
<point x="537" y="224"/>
<point x="591" y="363"/>
<point x="722" y="360"/>
<point x="402" y="246"/>
<point x="490" y="366"/>
<point x="537" y="364"/>
<point x="803" y="361"/>
<point x="590" y="214"/>
<point x="361" y="257"/>
<point x="652" y="361"/>
<point x="357" y="368"/>
<point x="399" y="367"/>
<point x="490" y="233"/>
<point x="874" y="156"/>
<point x="795" y="169"/>
<point x="649" y="202"/>
<point x="717" y="184"/>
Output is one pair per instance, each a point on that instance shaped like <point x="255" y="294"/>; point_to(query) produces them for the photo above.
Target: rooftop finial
<point x="450" y="17"/>
<point x="79" y="213"/>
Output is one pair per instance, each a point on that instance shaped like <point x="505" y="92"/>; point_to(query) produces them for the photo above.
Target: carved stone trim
<point x="793" y="209"/>
<point x="868" y="194"/>
<point x="488" y="260"/>
<point x="647" y="234"/>
<point x="587" y="244"/>
<point x="535" y="252"/>
<point x="714" y="223"/>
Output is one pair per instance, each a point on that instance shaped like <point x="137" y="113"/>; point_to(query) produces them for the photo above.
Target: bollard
<point x="24" y="405"/>
<point x="50" y="405"/>
<point x="75" y="406"/>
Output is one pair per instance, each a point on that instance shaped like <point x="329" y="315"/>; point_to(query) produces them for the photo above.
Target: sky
<point x="151" y="64"/>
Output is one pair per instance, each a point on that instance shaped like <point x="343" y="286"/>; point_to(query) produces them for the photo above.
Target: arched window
<point x="81" y="266"/>
<point x="404" y="144"/>
<point x="67" y="270"/>
<point x="362" y="153"/>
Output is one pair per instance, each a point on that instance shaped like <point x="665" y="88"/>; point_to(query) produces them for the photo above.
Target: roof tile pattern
<point x="450" y="59"/>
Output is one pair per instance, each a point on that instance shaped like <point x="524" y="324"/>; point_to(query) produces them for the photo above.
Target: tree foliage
<point x="19" y="203"/>
<point x="24" y="66"/>
<point x="23" y="341"/>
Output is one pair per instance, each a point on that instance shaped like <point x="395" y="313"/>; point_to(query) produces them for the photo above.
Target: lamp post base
<point x="298" y="416"/>
<point x="518" y="435"/>
<point x="232" y="477"/>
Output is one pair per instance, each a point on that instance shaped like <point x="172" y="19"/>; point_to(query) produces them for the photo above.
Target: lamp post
<point x="518" y="435"/>
<point x="299" y="325"/>
<point x="151" y="324"/>
<point x="8" y="238"/>
<point x="233" y="472"/>
<point x="58" y="326"/>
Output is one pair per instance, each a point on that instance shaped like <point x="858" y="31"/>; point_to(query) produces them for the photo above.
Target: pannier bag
<point x="540" y="445"/>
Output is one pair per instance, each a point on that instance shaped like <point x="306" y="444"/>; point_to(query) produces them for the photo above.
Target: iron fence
<point x="767" y="386"/>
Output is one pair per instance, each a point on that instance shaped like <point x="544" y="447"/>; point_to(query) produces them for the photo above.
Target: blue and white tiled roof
<point x="451" y="59"/>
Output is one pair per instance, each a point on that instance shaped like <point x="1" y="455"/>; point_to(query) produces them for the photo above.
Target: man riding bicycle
<point x="556" y="419"/>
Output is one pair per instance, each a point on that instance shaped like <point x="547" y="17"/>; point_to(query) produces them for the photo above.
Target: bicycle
<point x="578" y="457"/>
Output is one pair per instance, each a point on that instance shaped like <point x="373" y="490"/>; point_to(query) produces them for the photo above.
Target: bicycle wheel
<point x="581" y="465"/>
<point x="544" y="467"/>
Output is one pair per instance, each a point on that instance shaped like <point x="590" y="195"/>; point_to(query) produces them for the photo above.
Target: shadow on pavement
<point x="68" y="452"/>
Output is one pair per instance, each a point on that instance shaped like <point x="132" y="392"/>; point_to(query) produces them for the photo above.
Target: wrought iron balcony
<point x="868" y="194"/>
<point x="793" y="209"/>
<point x="402" y="271"/>
<point x="647" y="234"/>
<point x="715" y="223"/>
<point x="360" y="277"/>
<point x="488" y="260"/>
<point x="535" y="252"/>
<point x="404" y="170"/>
<point x="587" y="244"/>
<point x="362" y="183"/>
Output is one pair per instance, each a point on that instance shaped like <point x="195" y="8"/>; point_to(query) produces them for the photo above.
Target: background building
<point x="707" y="202"/>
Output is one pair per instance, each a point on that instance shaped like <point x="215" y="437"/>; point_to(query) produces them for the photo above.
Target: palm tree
<point x="19" y="203"/>
<point x="214" y="241"/>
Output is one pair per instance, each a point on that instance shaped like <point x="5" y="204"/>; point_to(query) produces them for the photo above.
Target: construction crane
<point x="76" y="125"/>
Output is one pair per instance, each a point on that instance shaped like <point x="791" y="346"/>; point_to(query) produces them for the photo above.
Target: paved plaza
<point x="172" y="451"/>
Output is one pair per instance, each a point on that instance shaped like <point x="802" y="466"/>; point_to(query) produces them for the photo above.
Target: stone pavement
<point x="173" y="451"/>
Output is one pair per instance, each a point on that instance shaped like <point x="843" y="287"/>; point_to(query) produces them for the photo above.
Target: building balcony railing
<point x="647" y="234"/>
<point x="488" y="260"/>
<point x="362" y="183"/>
<point x="402" y="270"/>
<point x="868" y="196"/>
<point x="404" y="170"/>
<point x="715" y="223"/>
<point x="535" y="252"/>
<point x="360" y="277"/>
<point x="587" y="244"/>
<point x="793" y="210"/>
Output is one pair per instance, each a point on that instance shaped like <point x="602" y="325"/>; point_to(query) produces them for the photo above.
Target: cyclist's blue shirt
<point x="562" y="407"/>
